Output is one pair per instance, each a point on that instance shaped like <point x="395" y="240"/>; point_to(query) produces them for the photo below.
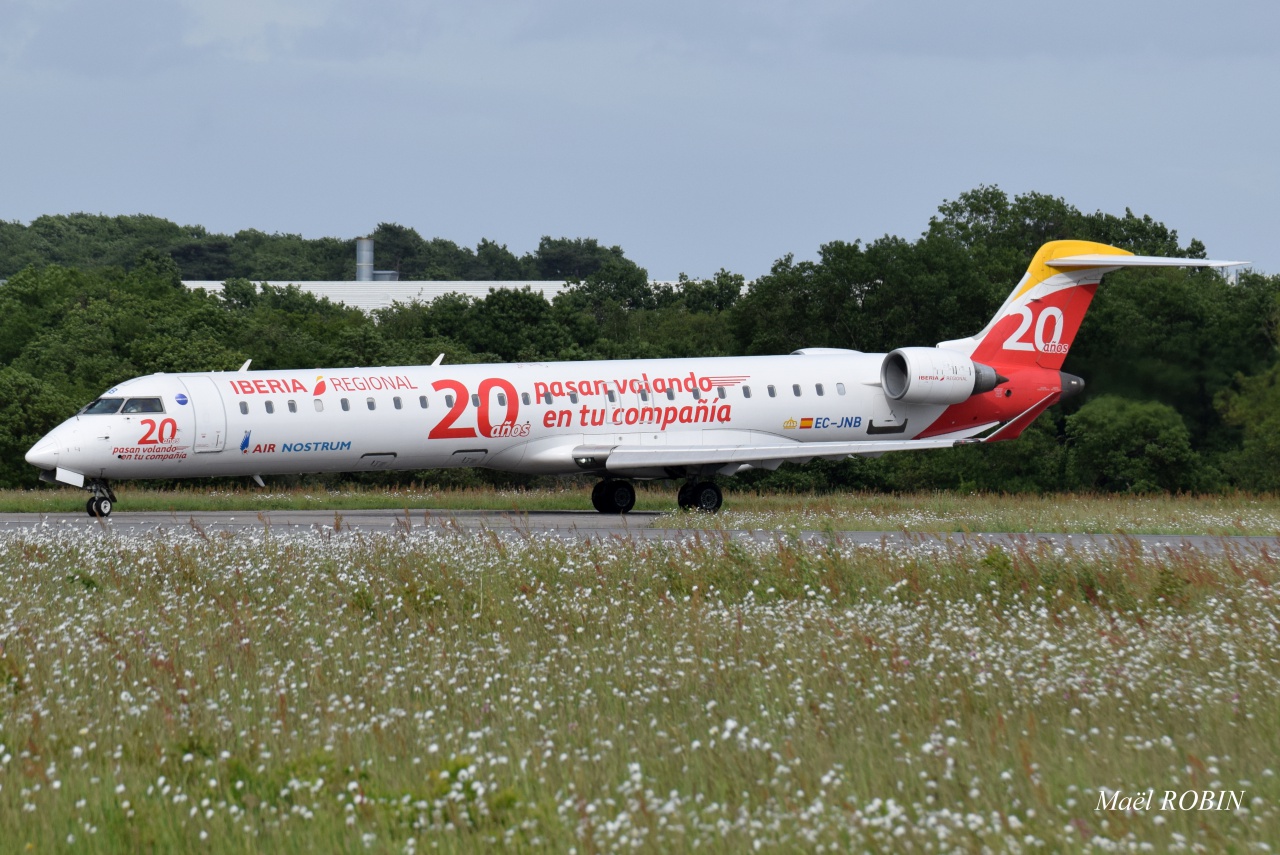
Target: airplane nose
<point x="44" y="454"/>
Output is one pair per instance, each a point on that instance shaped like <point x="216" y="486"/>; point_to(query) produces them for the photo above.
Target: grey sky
<point x="696" y="135"/>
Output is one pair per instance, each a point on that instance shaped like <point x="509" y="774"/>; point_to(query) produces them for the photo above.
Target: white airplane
<point x="621" y="420"/>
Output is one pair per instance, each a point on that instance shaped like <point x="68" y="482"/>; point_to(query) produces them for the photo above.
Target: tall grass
<point x="299" y="693"/>
<point x="1237" y="514"/>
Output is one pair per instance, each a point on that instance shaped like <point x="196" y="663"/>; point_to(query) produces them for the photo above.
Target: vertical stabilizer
<point x="1040" y="319"/>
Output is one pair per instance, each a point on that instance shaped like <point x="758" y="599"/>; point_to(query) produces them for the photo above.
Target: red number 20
<point x="157" y="434"/>
<point x="446" y="430"/>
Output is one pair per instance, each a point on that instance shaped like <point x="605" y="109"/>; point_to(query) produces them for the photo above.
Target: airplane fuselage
<point x="523" y="417"/>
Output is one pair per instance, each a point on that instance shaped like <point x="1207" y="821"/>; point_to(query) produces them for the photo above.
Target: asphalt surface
<point x="584" y="525"/>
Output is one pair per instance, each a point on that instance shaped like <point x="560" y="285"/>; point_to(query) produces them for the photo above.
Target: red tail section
<point x="1030" y="337"/>
<point x="1038" y="322"/>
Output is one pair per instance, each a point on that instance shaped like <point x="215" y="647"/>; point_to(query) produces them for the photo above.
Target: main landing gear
<point x="618" y="497"/>
<point x="103" y="500"/>
<point x="613" y="497"/>
<point x="702" y="496"/>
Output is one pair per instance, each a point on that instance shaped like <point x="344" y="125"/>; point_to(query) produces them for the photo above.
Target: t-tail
<point x="1040" y="319"/>
<point x="1028" y="340"/>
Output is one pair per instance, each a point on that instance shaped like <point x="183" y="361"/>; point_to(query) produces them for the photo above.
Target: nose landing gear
<point x="103" y="500"/>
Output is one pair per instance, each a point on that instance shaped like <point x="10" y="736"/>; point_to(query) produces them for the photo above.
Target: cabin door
<point x="210" y="415"/>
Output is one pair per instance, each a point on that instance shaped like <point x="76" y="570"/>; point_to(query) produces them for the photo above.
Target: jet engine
<point x="934" y="375"/>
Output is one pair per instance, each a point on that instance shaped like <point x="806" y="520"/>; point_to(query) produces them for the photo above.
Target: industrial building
<point x="379" y="289"/>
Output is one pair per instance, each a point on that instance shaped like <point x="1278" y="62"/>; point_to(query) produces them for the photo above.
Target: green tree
<point x="517" y="325"/>
<point x="1251" y="405"/>
<point x="572" y="258"/>
<point x="205" y="258"/>
<point x="717" y="294"/>
<point x="1119" y="445"/>
<point x="495" y="262"/>
<point x="29" y="408"/>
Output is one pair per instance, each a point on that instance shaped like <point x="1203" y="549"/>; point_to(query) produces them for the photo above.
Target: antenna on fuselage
<point x="245" y="367"/>
<point x="439" y="359"/>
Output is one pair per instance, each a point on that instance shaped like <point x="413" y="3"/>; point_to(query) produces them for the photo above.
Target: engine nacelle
<point x="934" y="375"/>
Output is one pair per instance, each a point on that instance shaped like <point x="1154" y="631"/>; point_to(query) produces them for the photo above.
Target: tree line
<point x="92" y="242"/>
<point x="1183" y="380"/>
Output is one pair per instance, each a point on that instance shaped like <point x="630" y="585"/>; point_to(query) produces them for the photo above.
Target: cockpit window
<point x="143" y="405"/>
<point x="103" y="407"/>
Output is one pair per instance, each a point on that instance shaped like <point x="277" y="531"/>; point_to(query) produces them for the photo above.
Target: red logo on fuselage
<point x="267" y="387"/>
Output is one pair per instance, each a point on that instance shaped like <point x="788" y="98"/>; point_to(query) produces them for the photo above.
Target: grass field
<point x="935" y="512"/>
<point x="929" y="512"/>
<point x="434" y="690"/>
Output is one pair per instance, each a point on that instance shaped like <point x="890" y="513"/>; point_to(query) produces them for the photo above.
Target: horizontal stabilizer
<point x="1073" y="262"/>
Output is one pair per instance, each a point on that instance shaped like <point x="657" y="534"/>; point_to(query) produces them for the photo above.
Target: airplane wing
<point x="629" y="458"/>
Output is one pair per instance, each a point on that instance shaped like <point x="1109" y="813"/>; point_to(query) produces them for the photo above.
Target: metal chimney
<point x="364" y="259"/>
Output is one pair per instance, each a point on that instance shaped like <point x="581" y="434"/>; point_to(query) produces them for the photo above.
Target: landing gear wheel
<point x="98" y="507"/>
<point x="684" y="498"/>
<point x="705" y="497"/>
<point x="598" y="500"/>
<point x="104" y="498"/>
<point x="613" y="497"/>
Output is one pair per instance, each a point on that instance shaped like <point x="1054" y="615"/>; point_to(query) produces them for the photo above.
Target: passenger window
<point x="103" y="407"/>
<point x="524" y="398"/>
<point x="319" y="405"/>
<point x="270" y="407"/>
<point x="397" y="403"/>
<point x="746" y="391"/>
<point x="795" y="389"/>
<point x="671" y="394"/>
<point x="346" y="405"/>
<point x="697" y="394"/>
<point x="644" y="395"/>
<point x="546" y="397"/>
<point x="475" y="400"/>
<point x="448" y="401"/>
<point x="773" y="392"/>
<point x="818" y="387"/>
<point x="839" y="388"/>
<point x="720" y="393"/>
<point x="613" y="397"/>
<point x="573" y="397"/>
<point x="244" y="408"/>
<point x="143" y="405"/>
<point x="293" y="406"/>
<point x="373" y="405"/>
<point x="422" y="401"/>
<point x="502" y="399"/>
